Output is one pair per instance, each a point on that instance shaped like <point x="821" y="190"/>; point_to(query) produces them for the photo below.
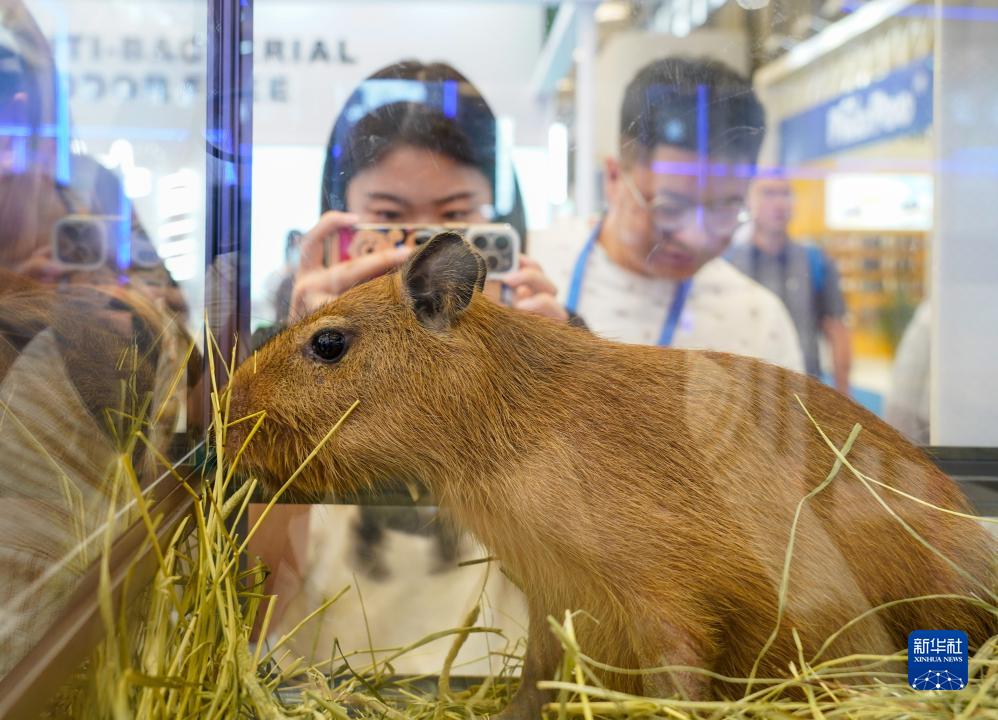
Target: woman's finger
<point x="532" y="278"/>
<point x="315" y="288"/>
<point x="528" y="262"/>
<point x="307" y="296"/>
<point x="354" y="272"/>
<point x="313" y="244"/>
<point x="543" y="304"/>
<point x="40" y="267"/>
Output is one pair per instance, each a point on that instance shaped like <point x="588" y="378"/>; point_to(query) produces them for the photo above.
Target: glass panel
<point x="101" y="280"/>
<point x="797" y="216"/>
<point x="810" y="184"/>
<point x="329" y="106"/>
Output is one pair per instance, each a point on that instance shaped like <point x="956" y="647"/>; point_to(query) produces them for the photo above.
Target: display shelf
<point x="882" y="277"/>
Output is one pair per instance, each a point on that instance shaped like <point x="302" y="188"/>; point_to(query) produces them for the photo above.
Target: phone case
<point x="498" y="243"/>
<point x="365" y="239"/>
<point x="80" y="242"/>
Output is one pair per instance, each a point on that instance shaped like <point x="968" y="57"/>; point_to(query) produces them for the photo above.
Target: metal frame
<point x="228" y="174"/>
<point x="966" y="462"/>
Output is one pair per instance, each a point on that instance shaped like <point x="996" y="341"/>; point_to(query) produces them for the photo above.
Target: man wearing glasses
<point x="650" y="271"/>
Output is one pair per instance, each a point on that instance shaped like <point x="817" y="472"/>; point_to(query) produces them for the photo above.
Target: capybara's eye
<point x="329" y="345"/>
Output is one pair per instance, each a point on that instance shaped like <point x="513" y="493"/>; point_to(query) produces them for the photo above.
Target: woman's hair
<point x="430" y="107"/>
<point x="695" y="104"/>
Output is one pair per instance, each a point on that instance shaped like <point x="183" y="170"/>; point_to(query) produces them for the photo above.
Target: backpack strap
<point x="816" y="265"/>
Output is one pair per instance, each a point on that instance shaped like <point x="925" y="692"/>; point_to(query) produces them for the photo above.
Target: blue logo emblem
<point x="937" y="660"/>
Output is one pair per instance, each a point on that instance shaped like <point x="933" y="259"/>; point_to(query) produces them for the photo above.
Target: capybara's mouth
<point x="267" y="482"/>
<point x="270" y="460"/>
<point x="248" y="455"/>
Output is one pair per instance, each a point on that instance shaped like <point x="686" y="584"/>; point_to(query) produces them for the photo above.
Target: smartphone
<point x="498" y="243"/>
<point x="368" y="238"/>
<point x="80" y="241"/>
<point x="84" y="242"/>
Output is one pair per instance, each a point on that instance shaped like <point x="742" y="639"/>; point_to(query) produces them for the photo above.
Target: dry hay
<point x="189" y="655"/>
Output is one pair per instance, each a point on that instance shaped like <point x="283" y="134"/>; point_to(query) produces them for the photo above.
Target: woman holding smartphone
<point x="427" y="162"/>
<point x="395" y="161"/>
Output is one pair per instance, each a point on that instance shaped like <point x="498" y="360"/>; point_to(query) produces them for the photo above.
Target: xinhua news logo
<point x="937" y="660"/>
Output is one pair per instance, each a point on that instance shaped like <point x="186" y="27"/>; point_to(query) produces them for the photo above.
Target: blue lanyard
<point x="579" y="274"/>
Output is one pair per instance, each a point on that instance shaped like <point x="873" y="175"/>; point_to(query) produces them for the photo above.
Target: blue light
<point x="675" y="131"/>
<point x="450" y="98"/>
<point x="62" y="171"/>
<point x="702" y="147"/>
<point x="99" y="131"/>
<point x="972" y="162"/>
<point x="61" y="134"/>
<point x="123" y="234"/>
<point x="219" y="138"/>
<point x="20" y="152"/>
<point x="15" y="131"/>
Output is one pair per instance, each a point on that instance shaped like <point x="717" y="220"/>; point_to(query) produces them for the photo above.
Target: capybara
<point x="654" y="489"/>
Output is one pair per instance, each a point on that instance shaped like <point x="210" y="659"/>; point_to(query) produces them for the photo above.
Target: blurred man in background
<point x="801" y="275"/>
<point x="650" y="272"/>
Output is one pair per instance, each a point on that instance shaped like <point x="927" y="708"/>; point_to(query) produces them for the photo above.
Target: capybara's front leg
<point x="539" y="663"/>
<point x="661" y="643"/>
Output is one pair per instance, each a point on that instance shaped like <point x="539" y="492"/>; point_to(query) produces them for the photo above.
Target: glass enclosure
<point x="861" y="155"/>
<point x="846" y="222"/>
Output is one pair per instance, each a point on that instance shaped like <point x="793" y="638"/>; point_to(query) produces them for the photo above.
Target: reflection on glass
<point x="95" y="332"/>
<point x="809" y="183"/>
<point x="415" y="146"/>
<point x="833" y="253"/>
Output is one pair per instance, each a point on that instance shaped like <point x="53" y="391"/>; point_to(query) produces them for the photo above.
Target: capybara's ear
<point x="440" y="279"/>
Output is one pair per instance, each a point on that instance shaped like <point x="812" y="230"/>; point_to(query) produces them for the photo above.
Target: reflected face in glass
<point x="413" y="185"/>
<point x="771" y="203"/>
<point x="13" y="114"/>
<point x="674" y="213"/>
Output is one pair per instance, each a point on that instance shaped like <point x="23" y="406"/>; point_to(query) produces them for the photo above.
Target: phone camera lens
<point x="79" y="243"/>
<point x="481" y="242"/>
<point x="502" y="242"/>
<point x="492" y="262"/>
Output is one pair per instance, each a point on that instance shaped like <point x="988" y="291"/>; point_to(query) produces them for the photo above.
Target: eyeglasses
<point x="719" y="219"/>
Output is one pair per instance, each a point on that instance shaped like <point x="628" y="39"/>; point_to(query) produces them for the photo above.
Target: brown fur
<point x="652" y="488"/>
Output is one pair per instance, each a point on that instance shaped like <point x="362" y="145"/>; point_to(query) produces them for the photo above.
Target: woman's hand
<point x="41" y="267"/>
<point x="153" y="283"/>
<point x="534" y="292"/>
<point x="315" y="284"/>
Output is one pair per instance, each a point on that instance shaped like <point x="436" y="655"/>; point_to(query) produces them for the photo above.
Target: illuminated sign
<point x="896" y="105"/>
<point x="878" y="201"/>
